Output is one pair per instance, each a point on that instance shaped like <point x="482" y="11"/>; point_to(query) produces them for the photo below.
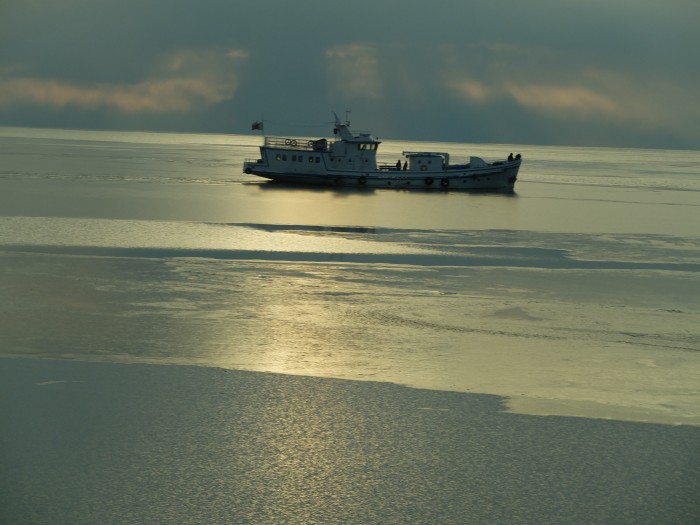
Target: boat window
<point x="311" y="159"/>
<point x="318" y="160"/>
<point x="278" y="157"/>
<point x="294" y="158"/>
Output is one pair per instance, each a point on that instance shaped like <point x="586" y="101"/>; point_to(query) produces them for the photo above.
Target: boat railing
<point x="297" y="143"/>
<point x="389" y="167"/>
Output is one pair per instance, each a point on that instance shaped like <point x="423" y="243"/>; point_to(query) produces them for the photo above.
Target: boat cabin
<point x="423" y="161"/>
<point x="348" y="152"/>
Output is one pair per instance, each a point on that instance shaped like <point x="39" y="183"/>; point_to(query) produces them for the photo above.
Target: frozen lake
<point x="578" y="295"/>
<point x="181" y="343"/>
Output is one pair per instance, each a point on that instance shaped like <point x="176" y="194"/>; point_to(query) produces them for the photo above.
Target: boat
<point x="350" y="160"/>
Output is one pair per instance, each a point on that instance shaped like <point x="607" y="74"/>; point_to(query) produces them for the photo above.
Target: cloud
<point x="147" y="96"/>
<point x="546" y="82"/>
<point x="471" y="90"/>
<point x="567" y="72"/>
<point x="353" y="71"/>
<point x="561" y="99"/>
<point x="183" y="81"/>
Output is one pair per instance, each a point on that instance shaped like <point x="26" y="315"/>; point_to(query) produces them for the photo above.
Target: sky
<point x="618" y="73"/>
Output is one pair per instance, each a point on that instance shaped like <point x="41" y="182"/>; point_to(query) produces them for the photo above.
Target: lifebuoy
<point x="288" y="142"/>
<point x="294" y="142"/>
<point x="445" y="183"/>
<point x="428" y="181"/>
<point x="362" y="180"/>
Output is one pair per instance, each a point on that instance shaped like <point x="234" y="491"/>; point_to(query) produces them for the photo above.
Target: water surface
<point x="575" y="296"/>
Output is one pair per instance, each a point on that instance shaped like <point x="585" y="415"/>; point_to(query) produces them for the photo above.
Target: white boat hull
<point x="494" y="178"/>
